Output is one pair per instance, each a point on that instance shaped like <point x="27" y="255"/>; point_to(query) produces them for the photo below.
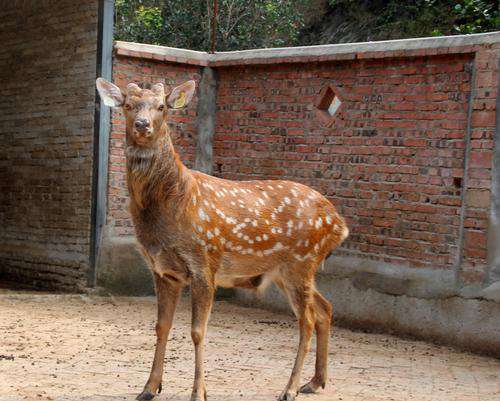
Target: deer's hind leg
<point x="298" y="285"/>
<point x="323" y="315"/>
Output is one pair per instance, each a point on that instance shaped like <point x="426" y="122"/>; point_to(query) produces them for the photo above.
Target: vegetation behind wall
<point x="244" y="24"/>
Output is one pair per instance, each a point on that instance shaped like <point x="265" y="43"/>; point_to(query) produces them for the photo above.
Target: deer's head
<point x="145" y="110"/>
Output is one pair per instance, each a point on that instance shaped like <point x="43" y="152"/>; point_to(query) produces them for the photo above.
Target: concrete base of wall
<point x="122" y="269"/>
<point x="471" y="324"/>
<point x="368" y="295"/>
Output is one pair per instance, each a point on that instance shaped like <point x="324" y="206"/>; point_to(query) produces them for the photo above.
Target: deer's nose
<point x="141" y="124"/>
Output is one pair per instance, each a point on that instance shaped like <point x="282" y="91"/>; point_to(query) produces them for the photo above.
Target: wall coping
<point x="346" y="51"/>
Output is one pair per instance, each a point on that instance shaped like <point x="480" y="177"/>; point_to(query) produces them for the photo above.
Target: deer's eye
<point x="161" y="107"/>
<point x="127" y="106"/>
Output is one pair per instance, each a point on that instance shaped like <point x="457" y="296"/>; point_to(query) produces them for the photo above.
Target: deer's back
<point x="245" y="220"/>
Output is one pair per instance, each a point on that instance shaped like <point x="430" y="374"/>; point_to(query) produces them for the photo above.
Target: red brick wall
<point x="393" y="161"/>
<point x="182" y="129"/>
<point x="478" y="196"/>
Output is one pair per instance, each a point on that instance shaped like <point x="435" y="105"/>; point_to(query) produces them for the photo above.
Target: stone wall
<point x="47" y="94"/>
<point x="407" y="158"/>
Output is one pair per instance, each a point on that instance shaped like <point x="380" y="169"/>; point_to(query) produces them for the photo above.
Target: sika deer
<point x="204" y="231"/>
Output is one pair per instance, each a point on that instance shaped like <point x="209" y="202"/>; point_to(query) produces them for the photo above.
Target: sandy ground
<point x="67" y="347"/>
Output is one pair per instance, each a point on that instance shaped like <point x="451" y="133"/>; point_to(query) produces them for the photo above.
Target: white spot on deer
<point x="222" y="240"/>
<point x="267" y="222"/>
<point x="310" y="221"/>
<point x="229" y="245"/>
<point x="258" y="238"/>
<point x="270" y="187"/>
<point x="216" y="231"/>
<point x="298" y="212"/>
<point x="265" y="237"/>
<point x="230" y="220"/>
<point x="242" y="206"/>
<point x="246" y="237"/>
<point x="209" y="234"/>
<point x="239" y="235"/>
<point x="247" y="220"/>
<point x="294" y="192"/>
<point x="301" y="203"/>
<point x="239" y="248"/>
<point x="194" y="200"/>
<point x="318" y="223"/>
<point x="279" y="230"/>
<point x="233" y="203"/>
<point x="287" y="200"/>
<point x="273" y="230"/>
<point x="265" y="194"/>
<point x="280" y="186"/>
<point x="199" y="228"/>
<point x="203" y="215"/>
<point x="289" y="232"/>
<point x="306" y="243"/>
<point x="249" y="250"/>
<point x="254" y="223"/>
<point x="345" y="233"/>
<point x="316" y="247"/>
<point x="328" y="219"/>
<point x="302" y="258"/>
<point x="273" y="216"/>
<point x="280" y="208"/>
<point x="259" y="253"/>
<point x="301" y="224"/>
<point x="290" y="224"/>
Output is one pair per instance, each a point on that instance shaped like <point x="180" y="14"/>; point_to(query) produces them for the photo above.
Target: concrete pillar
<point x="206" y="121"/>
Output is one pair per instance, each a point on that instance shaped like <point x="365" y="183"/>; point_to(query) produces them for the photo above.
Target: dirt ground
<point x="70" y="347"/>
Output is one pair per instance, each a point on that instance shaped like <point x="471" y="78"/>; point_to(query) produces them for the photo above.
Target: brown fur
<point x="204" y="231"/>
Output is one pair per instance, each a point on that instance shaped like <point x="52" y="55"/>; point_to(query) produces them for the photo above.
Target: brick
<point x="45" y="210"/>
<point x="392" y="161"/>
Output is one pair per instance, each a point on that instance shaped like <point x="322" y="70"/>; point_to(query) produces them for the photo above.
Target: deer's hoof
<point x="311" y="387"/>
<point x="307" y="389"/>
<point x="145" y="396"/>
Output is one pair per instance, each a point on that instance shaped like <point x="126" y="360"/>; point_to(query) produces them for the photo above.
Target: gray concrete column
<point x="205" y="121"/>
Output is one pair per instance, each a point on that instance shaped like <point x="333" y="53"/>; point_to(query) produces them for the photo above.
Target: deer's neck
<point x="156" y="175"/>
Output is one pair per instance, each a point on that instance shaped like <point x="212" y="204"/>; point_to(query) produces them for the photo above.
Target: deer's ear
<point x="110" y="94"/>
<point x="181" y="95"/>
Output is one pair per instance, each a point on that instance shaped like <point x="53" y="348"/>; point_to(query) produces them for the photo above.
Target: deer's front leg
<point x="202" y="295"/>
<point x="167" y="292"/>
